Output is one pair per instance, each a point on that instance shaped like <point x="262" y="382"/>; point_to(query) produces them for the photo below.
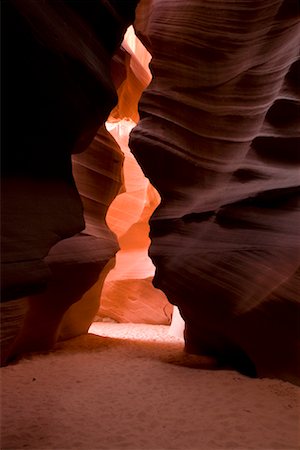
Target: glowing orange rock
<point x="135" y="58"/>
<point x="128" y="294"/>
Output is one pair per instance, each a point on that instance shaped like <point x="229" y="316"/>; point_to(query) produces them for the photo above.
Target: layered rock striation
<point x="219" y="139"/>
<point x="57" y="92"/>
<point x="128" y="294"/>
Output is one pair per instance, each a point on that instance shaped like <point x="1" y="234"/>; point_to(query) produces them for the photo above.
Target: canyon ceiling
<point x="217" y="135"/>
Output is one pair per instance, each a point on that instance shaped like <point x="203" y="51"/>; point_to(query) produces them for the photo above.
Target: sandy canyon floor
<point x="126" y="386"/>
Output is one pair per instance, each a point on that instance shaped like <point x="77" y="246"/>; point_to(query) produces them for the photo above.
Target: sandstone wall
<point x="58" y="92"/>
<point x="219" y="140"/>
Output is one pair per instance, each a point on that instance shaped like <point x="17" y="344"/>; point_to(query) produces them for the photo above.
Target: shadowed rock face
<point x="219" y="139"/>
<point x="57" y="92"/>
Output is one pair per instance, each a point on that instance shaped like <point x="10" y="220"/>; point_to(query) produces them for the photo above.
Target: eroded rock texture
<point x="57" y="92"/>
<point x="131" y="75"/>
<point x="219" y="139"/>
<point x="128" y="294"/>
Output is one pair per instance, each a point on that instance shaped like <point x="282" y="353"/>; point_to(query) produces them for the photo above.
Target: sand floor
<point x="127" y="387"/>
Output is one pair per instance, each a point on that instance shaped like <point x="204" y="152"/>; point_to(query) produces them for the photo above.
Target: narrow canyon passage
<point x="128" y="294"/>
<point x="173" y="124"/>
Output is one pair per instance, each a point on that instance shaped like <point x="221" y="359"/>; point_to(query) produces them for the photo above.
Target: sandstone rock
<point x="135" y="301"/>
<point x="98" y="176"/>
<point x="77" y="265"/>
<point x="14" y="313"/>
<point x="57" y="105"/>
<point x="77" y="275"/>
<point x="57" y="92"/>
<point x="219" y="139"/>
<point x="134" y="59"/>
<point x="128" y="294"/>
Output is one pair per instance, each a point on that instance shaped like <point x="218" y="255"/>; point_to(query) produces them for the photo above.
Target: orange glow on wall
<point x="128" y="294"/>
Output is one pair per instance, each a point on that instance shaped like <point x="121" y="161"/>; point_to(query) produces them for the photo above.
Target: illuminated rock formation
<point x="131" y="75"/>
<point x="219" y="139"/>
<point x="128" y="294"/>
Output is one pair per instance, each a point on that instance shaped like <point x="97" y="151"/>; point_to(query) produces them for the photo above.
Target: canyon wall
<point x="58" y="91"/>
<point x="219" y="139"/>
<point x="128" y="294"/>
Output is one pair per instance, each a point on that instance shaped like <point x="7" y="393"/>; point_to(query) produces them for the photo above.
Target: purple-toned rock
<point x="219" y="139"/>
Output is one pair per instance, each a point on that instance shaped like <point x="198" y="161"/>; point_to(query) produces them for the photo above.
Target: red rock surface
<point x="134" y="59"/>
<point x="219" y="140"/>
<point x="128" y="294"/>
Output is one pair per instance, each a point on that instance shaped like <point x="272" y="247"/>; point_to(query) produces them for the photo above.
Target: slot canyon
<point x="150" y="184"/>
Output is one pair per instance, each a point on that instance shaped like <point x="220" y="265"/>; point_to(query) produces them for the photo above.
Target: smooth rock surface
<point x="128" y="294"/>
<point x="219" y="139"/>
<point x="56" y="104"/>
